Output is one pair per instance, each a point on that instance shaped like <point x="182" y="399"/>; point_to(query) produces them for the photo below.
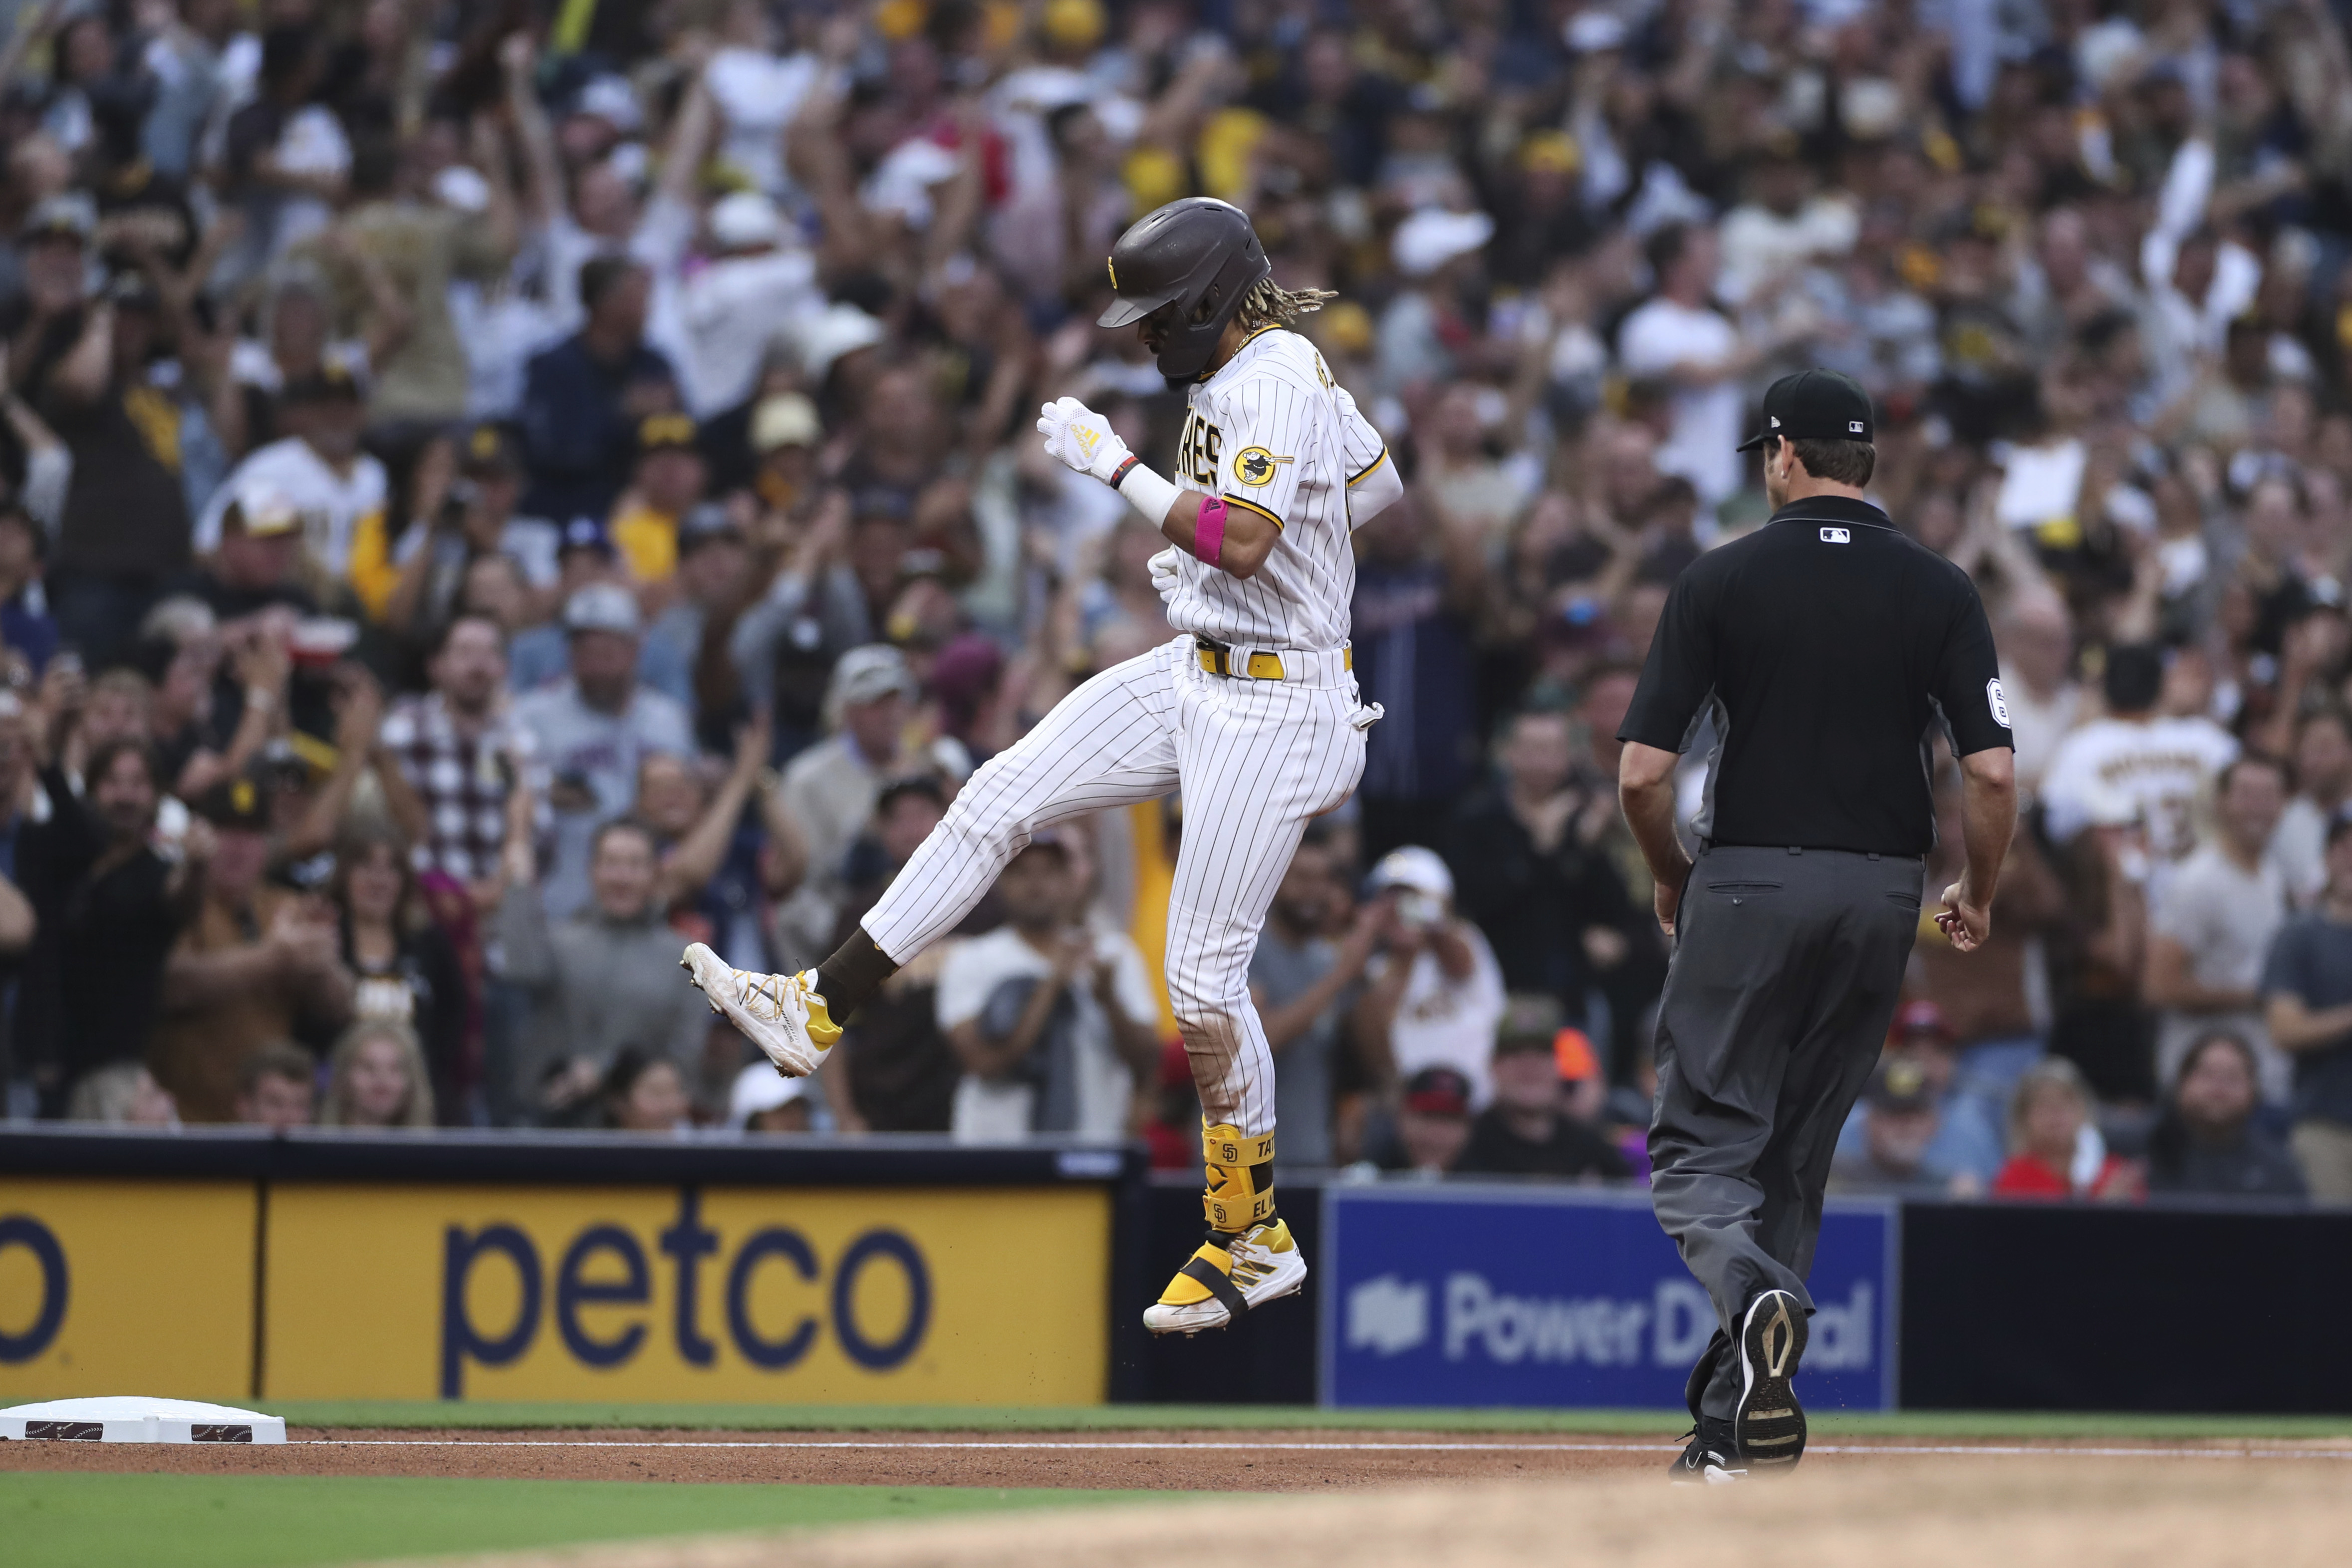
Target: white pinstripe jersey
<point x="1273" y="433"/>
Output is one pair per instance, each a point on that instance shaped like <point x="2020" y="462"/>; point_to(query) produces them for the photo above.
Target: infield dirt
<point x="2032" y="1512"/>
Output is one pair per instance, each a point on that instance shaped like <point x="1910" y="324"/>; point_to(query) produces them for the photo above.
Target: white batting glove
<point x="1080" y="437"/>
<point x="1163" y="571"/>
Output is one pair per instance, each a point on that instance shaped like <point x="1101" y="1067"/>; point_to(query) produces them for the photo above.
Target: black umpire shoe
<point x="1767" y="1428"/>
<point x="1711" y="1460"/>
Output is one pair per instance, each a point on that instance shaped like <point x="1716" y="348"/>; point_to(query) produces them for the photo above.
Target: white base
<point x="134" y="1420"/>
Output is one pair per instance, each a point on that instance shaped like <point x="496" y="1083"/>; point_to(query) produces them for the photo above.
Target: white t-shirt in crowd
<point x="2299" y="850"/>
<point x="1445" y="1023"/>
<point x="1663" y="335"/>
<point x="2037" y="727"/>
<point x="988" y="1112"/>
<point x="2156" y="767"/>
<point x="2224" y="916"/>
<point x="333" y="505"/>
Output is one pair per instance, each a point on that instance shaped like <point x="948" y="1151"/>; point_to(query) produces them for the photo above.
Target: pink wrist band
<point x="1209" y="530"/>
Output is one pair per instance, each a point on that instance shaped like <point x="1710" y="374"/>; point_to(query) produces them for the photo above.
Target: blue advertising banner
<point x="1470" y="1295"/>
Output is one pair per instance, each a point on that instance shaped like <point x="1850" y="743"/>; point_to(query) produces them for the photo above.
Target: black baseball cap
<point x="1813" y="405"/>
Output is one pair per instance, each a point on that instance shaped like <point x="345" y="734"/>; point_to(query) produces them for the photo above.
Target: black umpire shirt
<point x="1825" y="643"/>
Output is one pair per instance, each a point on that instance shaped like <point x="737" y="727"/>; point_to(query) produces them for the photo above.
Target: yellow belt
<point x="1217" y="659"/>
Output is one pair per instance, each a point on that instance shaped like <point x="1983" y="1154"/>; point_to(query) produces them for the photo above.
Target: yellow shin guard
<point x="1240" y="1196"/>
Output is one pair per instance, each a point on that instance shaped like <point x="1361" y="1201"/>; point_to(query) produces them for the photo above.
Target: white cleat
<point x="780" y="1013"/>
<point x="1218" y="1285"/>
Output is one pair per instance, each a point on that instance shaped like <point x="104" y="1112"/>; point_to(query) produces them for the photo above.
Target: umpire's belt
<point x="1326" y="668"/>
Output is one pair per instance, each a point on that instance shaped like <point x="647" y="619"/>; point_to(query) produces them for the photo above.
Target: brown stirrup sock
<point x="855" y="972"/>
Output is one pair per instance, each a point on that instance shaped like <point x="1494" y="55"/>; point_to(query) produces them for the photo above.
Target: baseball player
<point x="1251" y="713"/>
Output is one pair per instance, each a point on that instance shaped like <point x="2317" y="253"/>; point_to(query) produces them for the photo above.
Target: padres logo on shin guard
<point x="1240" y="1177"/>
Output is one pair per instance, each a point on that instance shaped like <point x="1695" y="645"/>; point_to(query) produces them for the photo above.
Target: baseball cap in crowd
<point x="1529" y="1021"/>
<point x="868" y="674"/>
<point x="745" y="219"/>
<point x="1433" y="237"/>
<point x="612" y="100"/>
<point x="661" y="432"/>
<point x="706" y="523"/>
<point x="1813" y="405"/>
<point x="239" y="804"/>
<point x="837" y="330"/>
<point x="489" y="451"/>
<point x="601" y="607"/>
<point x="1437" y="1091"/>
<point x="1416" y="869"/>
<point x="586" y="533"/>
<point x="1900" y="1088"/>
<point x="787" y="419"/>
<point x="264" y="512"/>
<point x="1573" y="1054"/>
<point x="70" y="215"/>
<point x="760" y="1088"/>
<point x="333" y="381"/>
<point x="1914" y="1019"/>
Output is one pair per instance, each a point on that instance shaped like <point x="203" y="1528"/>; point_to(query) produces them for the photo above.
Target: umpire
<point x="1828" y="648"/>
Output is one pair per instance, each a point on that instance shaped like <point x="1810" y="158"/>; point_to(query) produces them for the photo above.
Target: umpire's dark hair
<point x="1839" y="462"/>
<point x="2134" y="676"/>
<point x="598" y="275"/>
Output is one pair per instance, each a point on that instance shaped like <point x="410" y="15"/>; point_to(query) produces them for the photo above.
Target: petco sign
<point x="1524" y="1296"/>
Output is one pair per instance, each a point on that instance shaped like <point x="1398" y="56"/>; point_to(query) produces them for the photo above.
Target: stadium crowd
<point x="490" y="492"/>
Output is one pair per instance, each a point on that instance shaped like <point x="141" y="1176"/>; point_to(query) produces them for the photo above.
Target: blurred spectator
<point x="256" y="965"/>
<point x="405" y="971"/>
<point x="467" y="784"/>
<point x="1302" y="982"/>
<point x="2135" y="763"/>
<point x="376" y="1077"/>
<point x="606" y="977"/>
<point x="765" y="1100"/>
<point x="124" y="1095"/>
<point x="2208" y="1142"/>
<point x="1436" y="993"/>
<point x="714" y="578"/>
<point x="2036" y="638"/>
<point x="2210" y="927"/>
<point x="1899" y="1119"/>
<point x="894" y="1070"/>
<point x="1984" y="1003"/>
<point x="109" y="907"/>
<point x="26" y="628"/>
<point x="2322" y="783"/>
<point x="1553" y="908"/>
<point x="645" y="1091"/>
<point x="1528" y="1130"/>
<point x="2054" y="1152"/>
<point x="2308" y="1004"/>
<point x="1054" y="1023"/>
<point x="1416" y="597"/>
<point x="81" y="362"/>
<point x="584" y="399"/>
<point x="1432" y="1123"/>
<point x="593" y="729"/>
<point x="274" y="1088"/>
<point x="829" y="790"/>
<point x="667" y="484"/>
<point x="339" y="494"/>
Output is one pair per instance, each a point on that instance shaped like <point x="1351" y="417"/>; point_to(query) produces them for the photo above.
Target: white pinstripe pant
<point x="1255" y="759"/>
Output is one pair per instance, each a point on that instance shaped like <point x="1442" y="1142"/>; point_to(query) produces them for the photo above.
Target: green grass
<point x="310" y="1522"/>
<point x="1149" y="1417"/>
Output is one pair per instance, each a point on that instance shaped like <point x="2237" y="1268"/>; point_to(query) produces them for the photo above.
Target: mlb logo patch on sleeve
<point x="1837" y="536"/>
<point x="1996" y="702"/>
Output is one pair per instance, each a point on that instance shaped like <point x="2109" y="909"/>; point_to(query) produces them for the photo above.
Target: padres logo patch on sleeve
<point x="1255" y="465"/>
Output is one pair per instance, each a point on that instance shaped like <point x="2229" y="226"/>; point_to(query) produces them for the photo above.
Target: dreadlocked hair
<point x="1269" y="305"/>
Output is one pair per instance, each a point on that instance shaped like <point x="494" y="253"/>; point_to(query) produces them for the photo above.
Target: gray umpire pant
<point x="1787" y="967"/>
